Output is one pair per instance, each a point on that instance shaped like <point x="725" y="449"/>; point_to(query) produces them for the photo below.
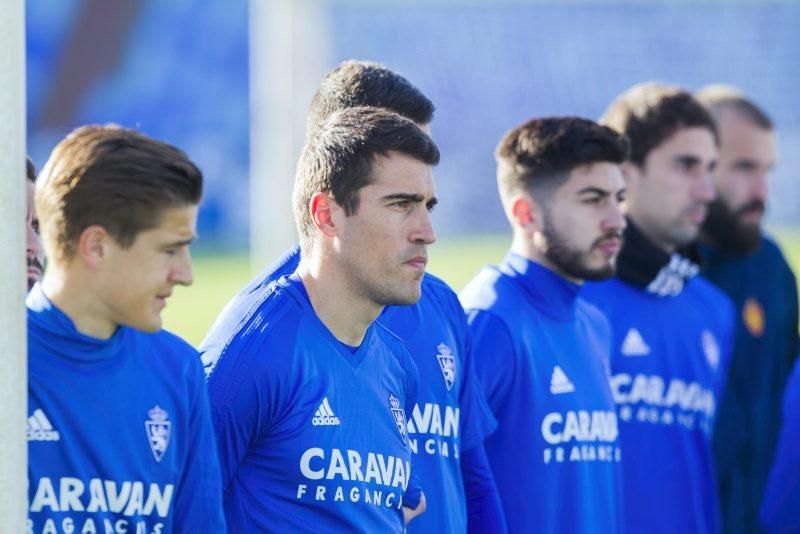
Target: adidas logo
<point x="40" y="429"/>
<point x="559" y="383"/>
<point x="324" y="415"/>
<point x="634" y="344"/>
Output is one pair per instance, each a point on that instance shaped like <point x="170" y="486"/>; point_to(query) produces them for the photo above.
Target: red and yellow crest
<point x="753" y="317"/>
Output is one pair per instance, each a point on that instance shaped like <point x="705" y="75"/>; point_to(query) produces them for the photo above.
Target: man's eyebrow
<point x="404" y="196"/>
<point x="594" y="191"/>
<point x="688" y="159"/>
<point x="181" y="243"/>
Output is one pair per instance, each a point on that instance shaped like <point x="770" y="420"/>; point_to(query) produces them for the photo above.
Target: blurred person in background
<point x="541" y="351"/>
<point x="119" y="432"/>
<point x="34" y="253"/>
<point x="450" y="419"/>
<point x="749" y="267"/>
<point x="672" y="329"/>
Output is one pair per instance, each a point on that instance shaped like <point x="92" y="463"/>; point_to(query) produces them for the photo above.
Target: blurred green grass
<point x="191" y="310"/>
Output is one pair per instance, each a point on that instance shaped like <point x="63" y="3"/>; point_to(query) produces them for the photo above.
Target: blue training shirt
<point x="451" y="414"/>
<point x="780" y="511"/>
<point x="312" y="436"/>
<point x="668" y="365"/>
<point x="119" y="432"/>
<point x="541" y="357"/>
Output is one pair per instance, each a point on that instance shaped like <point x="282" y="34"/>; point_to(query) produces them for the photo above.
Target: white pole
<point x="13" y="357"/>
<point x="289" y="51"/>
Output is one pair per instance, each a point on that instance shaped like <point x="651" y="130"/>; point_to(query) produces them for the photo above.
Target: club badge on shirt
<point x="448" y="365"/>
<point x="158" y="431"/>
<point x="399" y="416"/>
<point x="753" y="317"/>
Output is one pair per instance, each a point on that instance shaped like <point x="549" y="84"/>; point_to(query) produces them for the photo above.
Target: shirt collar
<point x="59" y="336"/>
<point x="550" y="292"/>
<point x="642" y="264"/>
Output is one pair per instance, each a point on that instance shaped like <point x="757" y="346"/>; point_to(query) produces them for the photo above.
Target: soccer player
<point x="310" y="395"/>
<point x="672" y="329"/>
<point x="119" y="435"/>
<point x="779" y="512"/>
<point x="33" y="253"/>
<point x="448" y="423"/>
<point x="749" y="267"/>
<point x="541" y="351"/>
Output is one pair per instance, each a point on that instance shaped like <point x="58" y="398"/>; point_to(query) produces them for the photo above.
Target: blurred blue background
<point x="178" y="71"/>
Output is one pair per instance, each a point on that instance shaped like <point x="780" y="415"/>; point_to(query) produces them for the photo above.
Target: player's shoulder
<point x="269" y="314"/>
<point x="436" y="286"/>
<point x="166" y="341"/>
<point x="589" y="311"/>
<point x="164" y="353"/>
<point x="438" y="294"/>
<point x="283" y="266"/>
<point x="770" y="255"/>
<point x="701" y="294"/>
<point x="770" y="249"/>
<point x="486" y="290"/>
<point x="702" y="289"/>
<point x="605" y="296"/>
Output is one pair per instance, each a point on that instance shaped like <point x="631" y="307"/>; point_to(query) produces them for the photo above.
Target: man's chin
<point x="737" y="237"/>
<point x="749" y="237"/>
<point x="406" y="296"/>
<point x="589" y="272"/>
<point x="598" y="274"/>
<point x="149" y="325"/>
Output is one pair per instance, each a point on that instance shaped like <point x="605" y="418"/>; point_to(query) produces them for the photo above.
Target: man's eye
<point x="402" y="204"/>
<point x="592" y="200"/>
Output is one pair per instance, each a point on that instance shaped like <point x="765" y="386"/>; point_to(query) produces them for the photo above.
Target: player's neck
<point x="340" y="307"/>
<point x="72" y="295"/>
<point x="650" y="232"/>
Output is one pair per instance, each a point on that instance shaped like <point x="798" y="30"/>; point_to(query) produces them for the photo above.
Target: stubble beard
<point x="571" y="261"/>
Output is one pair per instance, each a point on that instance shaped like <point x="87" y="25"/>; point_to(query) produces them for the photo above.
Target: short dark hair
<point x="338" y="157"/>
<point x="717" y="98"/>
<point x="30" y="169"/>
<point x="114" y="177"/>
<point x="542" y="152"/>
<point x="363" y="83"/>
<point x="650" y="113"/>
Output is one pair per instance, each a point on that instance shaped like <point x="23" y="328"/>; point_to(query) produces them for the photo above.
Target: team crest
<point x="753" y="317"/>
<point x="158" y="431"/>
<point x="399" y="416"/>
<point x="448" y="364"/>
<point x="710" y="348"/>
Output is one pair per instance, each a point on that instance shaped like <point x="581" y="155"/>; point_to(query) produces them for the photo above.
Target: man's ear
<point x="526" y="213"/>
<point x="93" y="245"/>
<point x="321" y="208"/>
